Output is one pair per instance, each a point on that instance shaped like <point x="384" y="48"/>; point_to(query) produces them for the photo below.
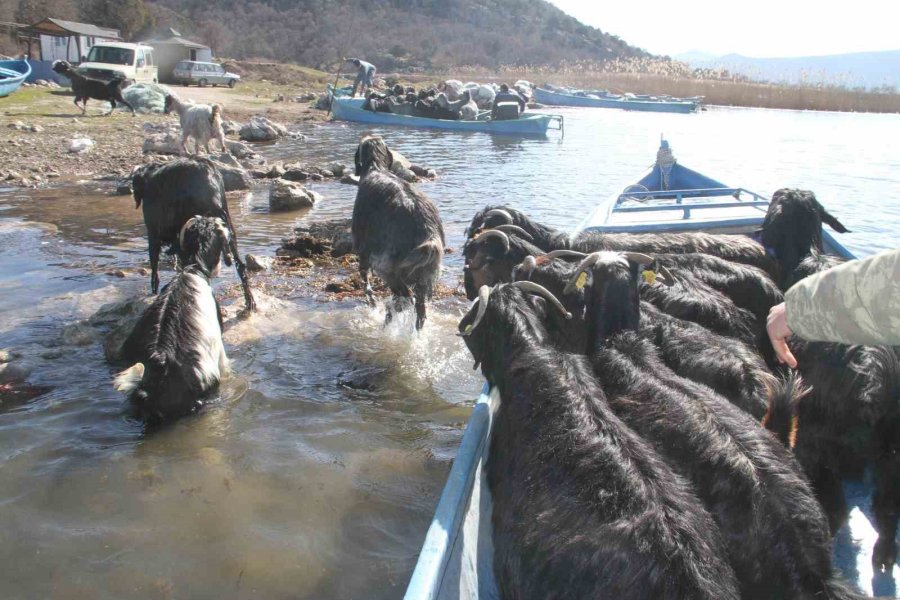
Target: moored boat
<point x="559" y="97"/>
<point x="456" y="560"/>
<point x="12" y="75"/>
<point x="351" y="109"/>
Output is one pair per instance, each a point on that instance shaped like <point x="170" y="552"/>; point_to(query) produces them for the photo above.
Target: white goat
<point x="203" y="122"/>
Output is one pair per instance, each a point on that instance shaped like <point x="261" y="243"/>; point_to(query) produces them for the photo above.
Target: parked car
<point x="132" y="62"/>
<point x="187" y="72"/>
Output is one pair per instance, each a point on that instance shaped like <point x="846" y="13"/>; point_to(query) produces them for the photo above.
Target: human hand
<point x="779" y="332"/>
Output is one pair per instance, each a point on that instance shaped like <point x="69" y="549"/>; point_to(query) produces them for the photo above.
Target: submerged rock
<point x="261" y="129"/>
<point x="258" y="263"/>
<point x="329" y="238"/>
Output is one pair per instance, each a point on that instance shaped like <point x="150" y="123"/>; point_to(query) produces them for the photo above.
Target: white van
<point x="132" y="62"/>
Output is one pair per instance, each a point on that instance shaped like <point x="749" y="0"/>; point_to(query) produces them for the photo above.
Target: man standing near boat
<point x="507" y="104"/>
<point x="365" y="76"/>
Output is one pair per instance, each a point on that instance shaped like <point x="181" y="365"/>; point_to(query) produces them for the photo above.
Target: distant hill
<point x="870" y="70"/>
<point x="393" y="34"/>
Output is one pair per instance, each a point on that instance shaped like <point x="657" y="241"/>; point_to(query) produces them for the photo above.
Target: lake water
<point x="292" y="485"/>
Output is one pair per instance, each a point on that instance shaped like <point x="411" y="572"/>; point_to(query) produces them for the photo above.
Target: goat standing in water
<point x="177" y="343"/>
<point x="397" y="231"/>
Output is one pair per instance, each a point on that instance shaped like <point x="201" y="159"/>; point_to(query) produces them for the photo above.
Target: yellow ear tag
<point x="582" y="279"/>
<point x="468" y="328"/>
<point x="649" y="276"/>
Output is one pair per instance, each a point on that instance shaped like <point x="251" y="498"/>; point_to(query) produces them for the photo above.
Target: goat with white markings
<point x="396" y="229"/>
<point x="203" y="122"/>
<point x="170" y="194"/>
<point x="87" y="88"/>
<point x="177" y="343"/>
<point x="582" y="507"/>
<point x="775" y="531"/>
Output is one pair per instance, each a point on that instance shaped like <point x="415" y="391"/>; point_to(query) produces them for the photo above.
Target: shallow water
<point x="293" y="484"/>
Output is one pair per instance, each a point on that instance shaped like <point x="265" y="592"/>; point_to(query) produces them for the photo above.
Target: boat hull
<point x="350" y="109"/>
<point x="13" y="74"/>
<point x="559" y="99"/>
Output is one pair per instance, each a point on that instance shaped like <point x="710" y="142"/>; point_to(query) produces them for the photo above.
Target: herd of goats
<point x="646" y="444"/>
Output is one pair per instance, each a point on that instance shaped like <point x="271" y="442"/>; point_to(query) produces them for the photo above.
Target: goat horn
<point x="565" y="254"/>
<point x="586" y="263"/>
<point x="184" y="228"/>
<point x="665" y="276"/>
<point x="497" y="234"/>
<point x="498" y="212"/>
<point x="639" y="257"/>
<point x="535" y="288"/>
<point x="527" y="267"/>
<point x="516" y="230"/>
<point x="484" y="294"/>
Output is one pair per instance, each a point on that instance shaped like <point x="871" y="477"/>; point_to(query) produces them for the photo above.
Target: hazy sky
<point x="758" y="28"/>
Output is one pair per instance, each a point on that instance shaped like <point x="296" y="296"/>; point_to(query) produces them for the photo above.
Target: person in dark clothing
<point x="365" y="76"/>
<point x="508" y="104"/>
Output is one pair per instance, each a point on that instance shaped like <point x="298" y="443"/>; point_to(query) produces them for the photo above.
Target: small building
<point x="169" y="50"/>
<point x="65" y="40"/>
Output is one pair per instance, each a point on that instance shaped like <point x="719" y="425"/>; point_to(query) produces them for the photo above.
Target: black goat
<point x="86" y="88"/>
<point x="582" y="507"/>
<point x="852" y="415"/>
<point x="396" y="230"/>
<point x="173" y="192"/>
<point x="736" y="248"/>
<point x="727" y="365"/>
<point x="177" y="343"/>
<point x="776" y="534"/>
<point x="491" y="256"/>
<point x="792" y="229"/>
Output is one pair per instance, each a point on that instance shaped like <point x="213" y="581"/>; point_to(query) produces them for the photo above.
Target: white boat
<point x="456" y="560"/>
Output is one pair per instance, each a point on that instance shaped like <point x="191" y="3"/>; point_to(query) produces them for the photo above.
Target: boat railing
<point x="558" y="119"/>
<point x="680" y="195"/>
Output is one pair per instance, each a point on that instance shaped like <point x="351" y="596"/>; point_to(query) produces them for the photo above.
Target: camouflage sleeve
<point x="854" y="303"/>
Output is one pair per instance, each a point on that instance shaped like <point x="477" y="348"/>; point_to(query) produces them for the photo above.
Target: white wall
<point x="55" y="48"/>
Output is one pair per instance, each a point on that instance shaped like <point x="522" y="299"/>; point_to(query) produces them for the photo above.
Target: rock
<point x="168" y="142"/>
<point x="276" y="172"/>
<point x="258" y="173"/>
<point x="235" y="178"/>
<point x="12" y="175"/>
<point x="316" y="177"/>
<point x="239" y="149"/>
<point x="350" y="178"/>
<point x="122" y="189"/>
<point x="35" y="128"/>
<point x="286" y="195"/>
<point x="118" y="319"/>
<point x="81" y="145"/>
<point x="230" y="127"/>
<point x="225" y="158"/>
<point x="78" y="334"/>
<point x="295" y="174"/>
<point x="258" y="263"/>
<point x="14" y="371"/>
<point x="337" y="169"/>
<point x="18" y="126"/>
<point x="7" y="355"/>
<point x="322" y="238"/>
<point x="261" y="129"/>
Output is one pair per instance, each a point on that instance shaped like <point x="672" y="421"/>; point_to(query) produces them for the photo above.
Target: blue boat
<point x="456" y="560"/>
<point x="602" y="99"/>
<point x="351" y="109"/>
<point x="12" y="75"/>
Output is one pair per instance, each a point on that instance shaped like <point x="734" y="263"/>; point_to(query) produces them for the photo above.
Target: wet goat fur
<point x="178" y="339"/>
<point x="173" y="192"/>
<point x="774" y="529"/>
<point x="731" y="367"/>
<point x="736" y="248"/>
<point x="582" y="507"/>
<point x="396" y="229"/>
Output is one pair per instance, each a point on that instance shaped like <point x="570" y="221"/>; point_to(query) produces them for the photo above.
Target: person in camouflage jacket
<point x="857" y="302"/>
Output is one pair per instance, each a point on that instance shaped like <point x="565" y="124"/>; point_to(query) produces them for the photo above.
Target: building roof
<point x="61" y="28"/>
<point x="175" y="41"/>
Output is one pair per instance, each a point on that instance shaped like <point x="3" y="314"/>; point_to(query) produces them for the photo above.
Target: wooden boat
<point x="456" y="560"/>
<point x="12" y="75"/>
<point x="351" y="109"/>
<point x="602" y="99"/>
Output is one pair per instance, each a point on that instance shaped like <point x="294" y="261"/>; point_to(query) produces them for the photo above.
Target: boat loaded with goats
<point x="558" y="96"/>
<point x="636" y="436"/>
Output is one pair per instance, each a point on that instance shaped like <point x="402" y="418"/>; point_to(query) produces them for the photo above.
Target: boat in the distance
<point x="603" y="99"/>
<point x="12" y="75"/>
<point x="530" y="123"/>
<point x="456" y="560"/>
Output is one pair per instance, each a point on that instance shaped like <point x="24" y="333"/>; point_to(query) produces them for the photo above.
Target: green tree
<point x="130" y="17"/>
